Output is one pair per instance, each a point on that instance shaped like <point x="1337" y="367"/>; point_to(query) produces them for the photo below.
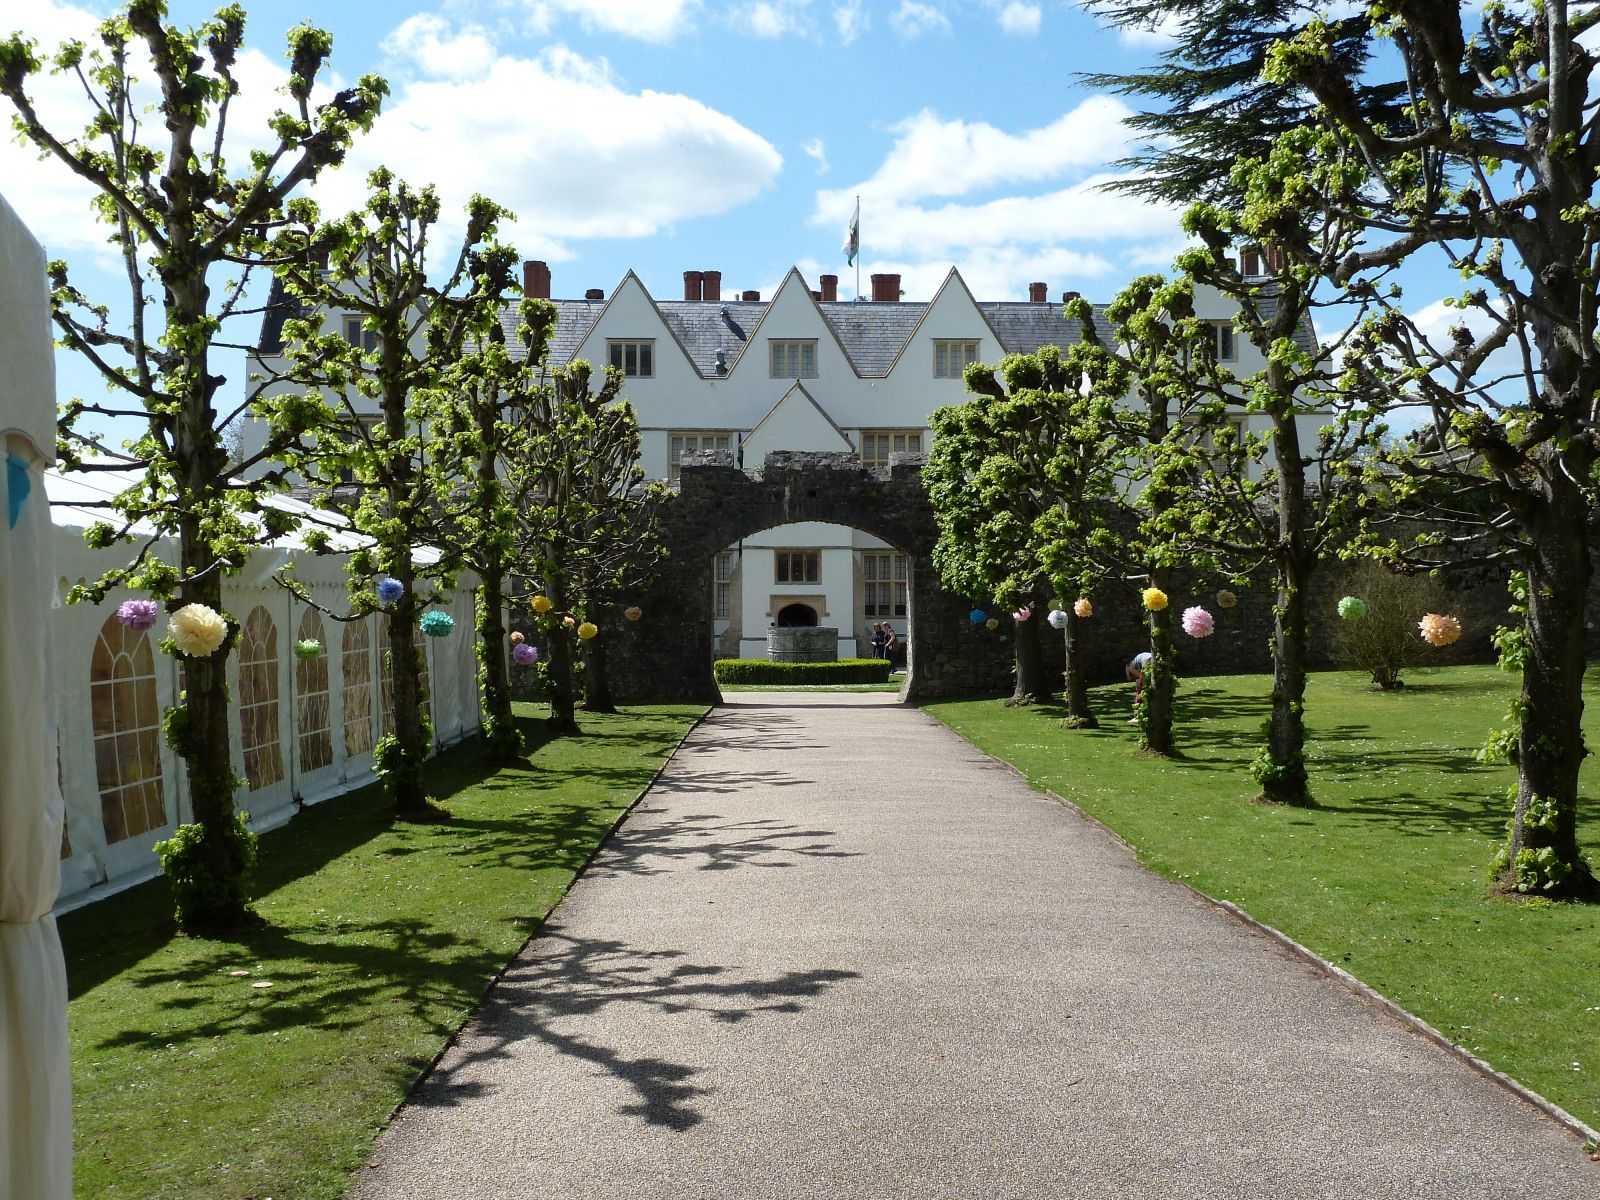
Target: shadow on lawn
<point x="576" y="994"/>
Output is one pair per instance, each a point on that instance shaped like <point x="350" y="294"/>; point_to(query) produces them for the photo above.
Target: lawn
<point x="1387" y="876"/>
<point x="265" y="1064"/>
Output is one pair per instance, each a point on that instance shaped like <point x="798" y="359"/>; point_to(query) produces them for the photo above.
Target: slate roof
<point x="706" y="326"/>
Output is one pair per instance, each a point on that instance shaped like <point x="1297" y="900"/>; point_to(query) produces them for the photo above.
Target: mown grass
<point x="263" y="1065"/>
<point x="1387" y="876"/>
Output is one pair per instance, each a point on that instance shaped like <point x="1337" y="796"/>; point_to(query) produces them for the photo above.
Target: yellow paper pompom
<point x="992" y="623"/>
<point x="1082" y="608"/>
<point x="1439" y="631"/>
<point x="1154" y="599"/>
<point x="1226" y="599"/>
<point x="541" y="604"/>
<point x="633" y="612"/>
<point x="197" y="630"/>
<point x="587" y="630"/>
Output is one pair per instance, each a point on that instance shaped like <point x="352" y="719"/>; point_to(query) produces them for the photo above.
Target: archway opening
<point x="796" y="615"/>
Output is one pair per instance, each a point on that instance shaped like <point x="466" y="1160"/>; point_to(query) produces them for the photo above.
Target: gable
<point x="795" y="422"/>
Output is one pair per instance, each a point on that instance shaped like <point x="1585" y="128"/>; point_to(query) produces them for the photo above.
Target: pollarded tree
<point x="1014" y="476"/>
<point x="570" y="469"/>
<point x="377" y="261"/>
<point x="1496" y="164"/>
<point x="475" y="507"/>
<point x="186" y="223"/>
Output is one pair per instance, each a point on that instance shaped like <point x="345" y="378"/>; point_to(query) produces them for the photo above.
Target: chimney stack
<point x="595" y="294"/>
<point x="536" y="279"/>
<point x="830" y="287"/>
<point x="750" y="297"/>
<point x="1069" y="297"/>
<point x="711" y="288"/>
<point x="1037" y="292"/>
<point x="693" y="281"/>
<point x="886" y="288"/>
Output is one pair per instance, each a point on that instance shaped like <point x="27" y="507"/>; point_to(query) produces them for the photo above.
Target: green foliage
<point x="787" y="674"/>
<point x="1383" y="643"/>
<point x="208" y="869"/>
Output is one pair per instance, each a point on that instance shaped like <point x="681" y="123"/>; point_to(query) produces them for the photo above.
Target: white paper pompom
<point x="197" y="630"/>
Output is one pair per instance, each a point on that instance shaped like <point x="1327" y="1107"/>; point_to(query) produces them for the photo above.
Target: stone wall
<point x="668" y="654"/>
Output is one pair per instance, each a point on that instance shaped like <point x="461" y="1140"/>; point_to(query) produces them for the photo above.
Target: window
<point x="885" y="576"/>
<point x="1223" y="342"/>
<point x="127" y="732"/>
<point x="724" y="586"/>
<point x="1232" y="422"/>
<point x="636" y="360"/>
<point x="366" y="339"/>
<point x="950" y="358"/>
<point x="799" y="566"/>
<point x="311" y="697"/>
<point x="258" y="700"/>
<point x="678" y="444"/>
<point x="794" y="359"/>
<point x="356" y="659"/>
<point x="878" y="445"/>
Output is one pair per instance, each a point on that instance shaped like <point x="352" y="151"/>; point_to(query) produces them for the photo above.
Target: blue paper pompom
<point x="437" y="624"/>
<point x="390" y="590"/>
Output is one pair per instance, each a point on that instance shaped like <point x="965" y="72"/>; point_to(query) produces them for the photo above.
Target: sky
<point x="660" y="136"/>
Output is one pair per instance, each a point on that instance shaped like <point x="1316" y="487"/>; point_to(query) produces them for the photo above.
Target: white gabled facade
<point x="805" y="371"/>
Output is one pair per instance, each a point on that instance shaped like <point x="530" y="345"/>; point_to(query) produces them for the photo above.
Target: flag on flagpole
<point x="852" y="237"/>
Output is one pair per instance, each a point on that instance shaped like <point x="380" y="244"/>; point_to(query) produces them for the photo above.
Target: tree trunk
<point x="1030" y="661"/>
<point x="403" y="773"/>
<point x="563" y="704"/>
<point x="1542" y="853"/>
<point x="502" y="742"/>
<point x="1281" y="768"/>
<point x="596" y="680"/>
<point x="1076" y="685"/>
<point x="1161" y="680"/>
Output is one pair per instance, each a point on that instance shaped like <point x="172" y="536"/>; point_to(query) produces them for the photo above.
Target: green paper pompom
<point x="307" y="650"/>
<point x="1352" y="608"/>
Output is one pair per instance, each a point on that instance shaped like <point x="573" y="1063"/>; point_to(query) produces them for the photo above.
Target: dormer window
<point x="1223" y="344"/>
<point x="364" y="339"/>
<point x="794" y="359"/>
<point x="950" y="357"/>
<point x="635" y="359"/>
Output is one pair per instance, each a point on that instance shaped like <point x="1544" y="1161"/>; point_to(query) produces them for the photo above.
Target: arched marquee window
<point x="127" y="732"/>
<point x="311" y="696"/>
<point x="387" y="674"/>
<point x="258" y="700"/>
<point x="356" y="659"/>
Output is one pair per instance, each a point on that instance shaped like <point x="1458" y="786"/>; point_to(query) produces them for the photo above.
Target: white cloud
<point x="617" y="164"/>
<point x="427" y="42"/>
<point x="851" y="20"/>
<point x="775" y="18"/>
<point x="1019" y="18"/>
<point x="817" y="151"/>
<point x="646" y="20"/>
<point x="913" y="19"/>
<point x="1157" y="36"/>
<point x="932" y="156"/>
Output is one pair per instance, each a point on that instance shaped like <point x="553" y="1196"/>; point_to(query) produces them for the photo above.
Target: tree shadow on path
<point x="561" y="992"/>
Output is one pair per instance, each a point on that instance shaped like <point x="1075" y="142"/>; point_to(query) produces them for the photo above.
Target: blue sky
<point x="665" y="135"/>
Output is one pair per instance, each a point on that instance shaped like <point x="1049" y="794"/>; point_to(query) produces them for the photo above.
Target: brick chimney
<point x="536" y="279"/>
<point x="693" y="281"/>
<point x="886" y="288"/>
<point x="595" y="294"/>
<point x="750" y="296"/>
<point x="1069" y="297"/>
<point x="1037" y="292"/>
<point x="830" y="287"/>
<point x="712" y="286"/>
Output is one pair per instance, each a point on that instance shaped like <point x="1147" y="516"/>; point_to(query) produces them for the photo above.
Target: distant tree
<point x="477" y="510"/>
<point x="1014" y="476"/>
<point x="378" y="260"/>
<point x="1383" y="643"/>
<point x="184" y="224"/>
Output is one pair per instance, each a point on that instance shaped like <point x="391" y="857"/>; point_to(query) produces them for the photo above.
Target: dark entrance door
<point x="791" y="615"/>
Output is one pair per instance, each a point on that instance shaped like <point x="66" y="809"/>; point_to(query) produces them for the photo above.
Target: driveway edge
<point x="1524" y="1093"/>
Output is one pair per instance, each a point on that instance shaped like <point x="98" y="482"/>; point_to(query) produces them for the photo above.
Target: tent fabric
<point x="35" y="1076"/>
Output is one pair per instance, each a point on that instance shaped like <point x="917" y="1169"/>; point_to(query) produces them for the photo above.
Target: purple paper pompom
<point x="524" y="655"/>
<point x="390" y="590"/>
<point x="138" y="614"/>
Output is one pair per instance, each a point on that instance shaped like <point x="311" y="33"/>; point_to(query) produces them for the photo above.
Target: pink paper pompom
<point x="1197" y="622"/>
<point x="524" y="655"/>
<point x="138" y="614"/>
<point x="1022" y="614"/>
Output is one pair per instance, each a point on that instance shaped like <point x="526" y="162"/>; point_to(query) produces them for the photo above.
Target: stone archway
<point x="796" y="615"/>
<point x="667" y="655"/>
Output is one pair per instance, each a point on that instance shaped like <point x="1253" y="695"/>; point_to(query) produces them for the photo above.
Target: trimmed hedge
<point x="797" y="674"/>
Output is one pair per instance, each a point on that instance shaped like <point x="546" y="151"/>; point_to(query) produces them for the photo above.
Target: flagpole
<point x="858" y="246"/>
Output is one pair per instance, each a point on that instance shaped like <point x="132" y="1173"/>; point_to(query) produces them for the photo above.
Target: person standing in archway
<point x="879" y="639"/>
<point x="890" y="642"/>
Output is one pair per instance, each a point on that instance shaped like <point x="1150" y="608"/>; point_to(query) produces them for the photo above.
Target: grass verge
<point x="265" y="1064"/>
<point x="1387" y="877"/>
